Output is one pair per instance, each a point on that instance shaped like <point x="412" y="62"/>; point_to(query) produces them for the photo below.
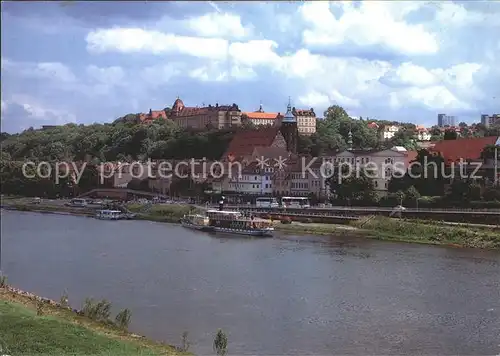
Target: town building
<point x="467" y="149"/>
<point x="373" y="125"/>
<point x="260" y="118"/>
<point x="490" y="120"/>
<point x="382" y="163"/>
<point x="388" y="132"/>
<point x="446" y="120"/>
<point x="218" y="116"/>
<point x="306" y="121"/>
<point x="245" y="141"/>
<point x="422" y="133"/>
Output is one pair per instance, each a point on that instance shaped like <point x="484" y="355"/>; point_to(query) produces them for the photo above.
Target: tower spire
<point x="260" y="107"/>
<point x="349" y="138"/>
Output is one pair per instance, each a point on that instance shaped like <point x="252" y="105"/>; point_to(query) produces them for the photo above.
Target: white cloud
<point x="41" y="112"/>
<point x="255" y="52"/>
<point x="129" y="40"/>
<point x="217" y="24"/>
<point x="4" y="106"/>
<point x="371" y="23"/>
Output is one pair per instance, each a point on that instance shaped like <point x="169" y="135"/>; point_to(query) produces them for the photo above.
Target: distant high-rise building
<point x="488" y="120"/>
<point x="446" y="120"/>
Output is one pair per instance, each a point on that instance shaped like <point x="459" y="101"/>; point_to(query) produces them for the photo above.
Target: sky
<point x="87" y="62"/>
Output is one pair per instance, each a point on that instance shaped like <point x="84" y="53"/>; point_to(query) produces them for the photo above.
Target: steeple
<point x="349" y="139"/>
<point x="289" y="117"/>
<point x="260" y="107"/>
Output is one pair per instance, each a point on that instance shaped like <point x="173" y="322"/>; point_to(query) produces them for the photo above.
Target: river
<point x="286" y="295"/>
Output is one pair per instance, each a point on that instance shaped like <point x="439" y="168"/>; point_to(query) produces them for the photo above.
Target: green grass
<point x="385" y="228"/>
<point x="60" y="332"/>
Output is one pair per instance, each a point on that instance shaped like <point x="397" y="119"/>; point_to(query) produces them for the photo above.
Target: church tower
<point x="289" y="129"/>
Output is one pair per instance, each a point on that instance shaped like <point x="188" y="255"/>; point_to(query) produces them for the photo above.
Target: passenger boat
<point x="110" y="215"/>
<point x="196" y="222"/>
<point x="229" y="222"/>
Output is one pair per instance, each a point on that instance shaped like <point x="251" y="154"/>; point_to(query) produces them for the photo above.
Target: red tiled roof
<point x="466" y="148"/>
<point x="411" y="156"/>
<point x="153" y="115"/>
<point x="261" y="115"/>
<point x="304" y="112"/>
<point x="373" y="125"/>
<point x="245" y="141"/>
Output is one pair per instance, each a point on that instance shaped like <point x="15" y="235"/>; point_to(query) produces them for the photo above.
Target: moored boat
<point x="195" y="222"/>
<point x="233" y="222"/>
<point x="109" y="215"/>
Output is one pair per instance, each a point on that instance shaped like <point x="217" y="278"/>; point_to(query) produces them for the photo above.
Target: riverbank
<point x="374" y="227"/>
<point x="31" y="325"/>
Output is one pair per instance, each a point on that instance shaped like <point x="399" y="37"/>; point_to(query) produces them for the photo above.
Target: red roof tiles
<point x="245" y="141"/>
<point x="466" y="148"/>
<point x="261" y="115"/>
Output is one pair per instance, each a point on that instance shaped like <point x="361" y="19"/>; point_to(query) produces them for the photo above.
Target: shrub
<point x="123" y="319"/>
<point x="3" y="281"/>
<point x="64" y="301"/>
<point x="220" y="343"/>
<point x="185" y="342"/>
<point x="99" y="311"/>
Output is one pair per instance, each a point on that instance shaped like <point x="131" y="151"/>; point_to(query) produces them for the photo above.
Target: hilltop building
<point x="261" y="118"/>
<point x="218" y="116"/>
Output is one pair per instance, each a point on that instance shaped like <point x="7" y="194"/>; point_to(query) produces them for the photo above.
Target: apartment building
<point x="446" y="120"/>
<point x="490" y="120"/>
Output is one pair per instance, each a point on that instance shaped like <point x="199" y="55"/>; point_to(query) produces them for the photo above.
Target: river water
<point x="286" y="295"/>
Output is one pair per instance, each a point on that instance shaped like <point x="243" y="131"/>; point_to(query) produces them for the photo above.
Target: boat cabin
<point x="109" y="214"/>
<point x="224" y="215"/>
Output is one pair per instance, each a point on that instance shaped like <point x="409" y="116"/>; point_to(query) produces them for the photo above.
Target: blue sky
<point x="96" y="61"/>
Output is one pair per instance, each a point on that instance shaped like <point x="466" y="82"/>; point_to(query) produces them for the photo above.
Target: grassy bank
<point x="59" y="331"/>
<point x="163" y="213"/>
<point x="385" y="228"/>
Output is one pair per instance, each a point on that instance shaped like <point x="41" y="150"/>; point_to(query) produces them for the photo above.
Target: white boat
<point x="229" y="222"/>
<point x="109" y="215"/>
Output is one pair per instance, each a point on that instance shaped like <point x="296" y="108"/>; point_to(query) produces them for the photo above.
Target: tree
<point x="358" y="187"/>
<point x="450" y="135"/>
<point x="412" y="194"/>
<point x="462" y="124"/>
<point x="427" y="173"/>
<point x="220" y="343"/>
<point x="400" y="196"/>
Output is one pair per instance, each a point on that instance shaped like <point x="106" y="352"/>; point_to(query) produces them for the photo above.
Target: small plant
<point x="99" y="311"/>
<point x="185" y="342"/>
<point x="39" y="308"/>
<point x="123" y="319"/>
<point x="3" y="281"/>
<point x="64" y="301"/>
<point x="220" y="343"/>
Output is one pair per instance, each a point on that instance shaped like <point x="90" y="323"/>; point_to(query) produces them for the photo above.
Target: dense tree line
<point x="125" y="140"/>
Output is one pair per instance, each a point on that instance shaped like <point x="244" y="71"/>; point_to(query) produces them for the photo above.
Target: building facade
<point x="218" y="116"/>
<point x="306" y="121"/>
<point x="388" y="132"/>
<point x="382" y="164"/>
<point x="260" y="118"/>
<point x="446" y="120"/>
<point x="490" y="120"/>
